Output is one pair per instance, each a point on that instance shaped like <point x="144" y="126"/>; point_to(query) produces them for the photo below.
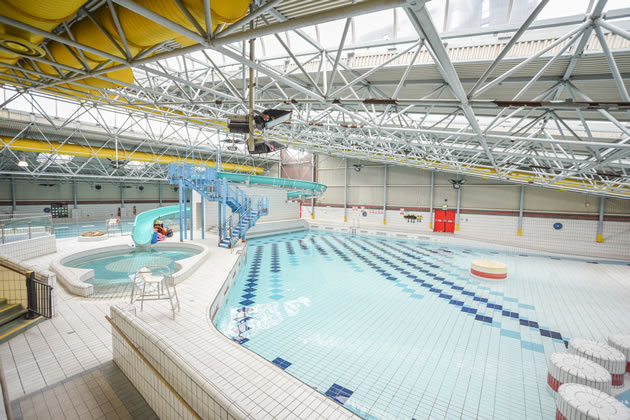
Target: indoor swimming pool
<point x="399" y="329"/>
<point x="112" y="270"/>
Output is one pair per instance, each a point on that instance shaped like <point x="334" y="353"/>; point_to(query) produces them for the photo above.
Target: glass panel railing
<point x="18" y="227"/>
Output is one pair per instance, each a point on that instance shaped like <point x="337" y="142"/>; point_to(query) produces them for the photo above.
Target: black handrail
<point x="39" y="297"/>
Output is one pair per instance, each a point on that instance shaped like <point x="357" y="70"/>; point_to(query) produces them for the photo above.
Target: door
<point x="438" y="220"/>
<point x="449" y="221"/>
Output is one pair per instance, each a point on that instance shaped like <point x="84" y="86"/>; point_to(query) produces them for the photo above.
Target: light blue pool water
<point x="112" y="269"/>
<point x="69" y="230"/>
<point x="397" y="329"/>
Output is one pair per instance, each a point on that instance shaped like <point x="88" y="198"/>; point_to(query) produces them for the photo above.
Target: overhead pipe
<point x="29" y="145"/>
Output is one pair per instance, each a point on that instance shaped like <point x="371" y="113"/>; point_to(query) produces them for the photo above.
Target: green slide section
<point x="269" y="180"/>
<point x="142" y="231"/>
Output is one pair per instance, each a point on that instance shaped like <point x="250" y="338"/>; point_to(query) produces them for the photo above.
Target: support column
<point x="181" y="212"/>
<point x="519" y="232"/>
<point x="313" y="179"/>
<point x="13" y="198"/>
<point x="203" y="220"/>
<point x="122" y="196"/>
<point x="185" y="213"/>
<point x="459" y="194"/>
<point x="220" y="220"/>
<point x="74" y="193"/>
<point x="190" y="200"/>
<point x="600" y="222"/>
<point x="345" y="190"/>
<point x="431" y="199"/>
<point x="385" y="195"/>
<point x="160" y="192"/>
<point x="280" y="166"/>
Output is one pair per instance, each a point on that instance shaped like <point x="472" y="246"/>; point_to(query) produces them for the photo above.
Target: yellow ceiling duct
<point x="38" y="146"/>
<point x="44" y="15"/>
<point x="140" y="32"/>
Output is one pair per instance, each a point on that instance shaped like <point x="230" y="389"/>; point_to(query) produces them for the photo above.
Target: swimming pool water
<point x="112" y="269"/>
<point x="399" y="329"/>
<point x="69" y="230"/>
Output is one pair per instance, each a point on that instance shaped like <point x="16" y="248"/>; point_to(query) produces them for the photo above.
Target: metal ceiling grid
<point x="432" y="102"/>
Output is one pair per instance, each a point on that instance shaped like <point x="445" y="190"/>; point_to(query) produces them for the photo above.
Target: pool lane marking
<point x="523" y="322"/>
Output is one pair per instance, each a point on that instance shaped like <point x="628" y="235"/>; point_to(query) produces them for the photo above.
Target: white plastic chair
<point x="159" y="285"/>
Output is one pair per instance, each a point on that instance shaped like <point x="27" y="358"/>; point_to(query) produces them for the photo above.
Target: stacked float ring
<point x="580" y="402"/>
<point x="621" y="343"/>
<point x="610" y="358"/>
<point x="488" y="269"/>
<point x="570" y="368"/>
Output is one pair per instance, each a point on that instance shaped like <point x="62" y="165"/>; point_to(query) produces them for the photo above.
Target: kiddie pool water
<point x="112" y="269"/>
<point x="399" y="329"/>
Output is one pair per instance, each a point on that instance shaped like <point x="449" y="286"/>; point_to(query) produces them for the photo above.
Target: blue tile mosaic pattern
<point x="281" y="363"/>
<point x="399" y="329"/>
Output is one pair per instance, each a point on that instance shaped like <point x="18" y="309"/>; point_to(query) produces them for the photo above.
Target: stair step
<point x="10" y="312"/>
<point x="17" y="326"/>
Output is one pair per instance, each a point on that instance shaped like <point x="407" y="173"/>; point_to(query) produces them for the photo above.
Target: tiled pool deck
<point x="79" y="340"/>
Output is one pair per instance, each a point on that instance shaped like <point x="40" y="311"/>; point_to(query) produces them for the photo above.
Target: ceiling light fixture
<point x="22" y="162"/>
<point x="457" y="183"/>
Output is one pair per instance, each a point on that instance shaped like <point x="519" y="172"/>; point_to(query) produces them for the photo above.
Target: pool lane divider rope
<point x="153" y="369"/>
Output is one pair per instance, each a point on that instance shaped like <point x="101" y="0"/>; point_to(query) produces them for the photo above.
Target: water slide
<point x="269" y="180"/>
<point x="142" y="231"/>
<point x="143" y="226"/>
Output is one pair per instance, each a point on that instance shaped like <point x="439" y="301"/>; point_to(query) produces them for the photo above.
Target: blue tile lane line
<point x="438" y="291"/>
<point x="281" y="363"/>
<point x="338" y="393"/>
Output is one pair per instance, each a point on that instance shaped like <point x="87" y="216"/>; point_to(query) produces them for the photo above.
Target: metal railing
<point x="24" y="226"/>
<point x="39" y="298"/>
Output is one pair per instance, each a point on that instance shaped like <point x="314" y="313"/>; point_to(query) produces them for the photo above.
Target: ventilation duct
<point x="140" y="32"/>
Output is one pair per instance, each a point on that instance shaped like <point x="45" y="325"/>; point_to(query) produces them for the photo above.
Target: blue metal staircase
<point x="246" y="210"/>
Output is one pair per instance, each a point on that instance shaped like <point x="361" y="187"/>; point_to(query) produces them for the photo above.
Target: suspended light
<point x="22" y="163"/>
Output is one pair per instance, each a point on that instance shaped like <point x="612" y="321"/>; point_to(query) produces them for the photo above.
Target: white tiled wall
<point x="576" y="236"/>
<point x="30" y="248"/>
<point x="193" y="388"/>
